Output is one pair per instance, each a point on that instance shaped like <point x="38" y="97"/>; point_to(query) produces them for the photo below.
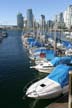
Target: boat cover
<point x="36" y="43"/>
<point x="30" y="39"/>
<point x="50" y="54"/>
<point x="47" y="51"/>
<point x="39" y="50"/>
<point x="61" y="60"/>
<point x="69" y="46"/>
<point x="60" y="74"/>
<point x="66" y="43"/>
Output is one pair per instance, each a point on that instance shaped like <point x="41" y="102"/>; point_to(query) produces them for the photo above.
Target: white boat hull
<point x="42" y="60"/>
<point x="51" y="89"/>
<point x="45" y="70"/>
<point x="43" y="67"/>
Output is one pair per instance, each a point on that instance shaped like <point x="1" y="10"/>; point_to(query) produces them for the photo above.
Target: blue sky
<point x="10" y="8"/>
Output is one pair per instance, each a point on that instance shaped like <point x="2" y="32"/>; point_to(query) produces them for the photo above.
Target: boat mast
<point x="55" y="44"/>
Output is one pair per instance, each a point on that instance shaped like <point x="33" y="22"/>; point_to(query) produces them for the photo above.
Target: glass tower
<point x="20" y="22"/>
<point x="68" y="17"/>
<point x="29" y="18"/>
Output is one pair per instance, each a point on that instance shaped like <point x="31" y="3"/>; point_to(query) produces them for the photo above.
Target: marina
<point x="17" y="74"/>
<point x="36" y="54"/>
<point x="39" y="89"/>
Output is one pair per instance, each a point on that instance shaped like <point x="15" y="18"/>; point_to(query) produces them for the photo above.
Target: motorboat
<point x="44" y="67"/>
<point x="4" y="33"/>
<point x="39" y="61"/>
<point x="53" y="85"/>
<point x="47" y="66"/>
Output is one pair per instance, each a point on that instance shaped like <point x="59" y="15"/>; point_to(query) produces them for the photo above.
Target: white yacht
<point x="53" y="85"/>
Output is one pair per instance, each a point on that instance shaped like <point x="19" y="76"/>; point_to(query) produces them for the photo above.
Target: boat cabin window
<point x="42" y="85"/>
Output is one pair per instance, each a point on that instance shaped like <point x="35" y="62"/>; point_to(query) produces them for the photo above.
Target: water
<point x="15" y="74"/>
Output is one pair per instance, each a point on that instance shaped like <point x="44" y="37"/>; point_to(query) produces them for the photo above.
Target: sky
<point x="10" y="8"/>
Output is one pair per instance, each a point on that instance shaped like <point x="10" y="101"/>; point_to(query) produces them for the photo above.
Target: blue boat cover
<point x="50" y="54"/>
<point x="69" y="46"/>
<point x="61" y="60"/>
<point x="60" y="74"/>
<point x="36" y="43"/>
<point x="67" y="43"/>
<point x="47" y="51"/>
<point x="39" y="50"/>
<point x="30" y="39"/>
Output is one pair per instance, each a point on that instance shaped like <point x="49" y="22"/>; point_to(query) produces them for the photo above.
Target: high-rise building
<point x="68" y="17"/>
<point x="29" y="19"/>
<point x="50" y="24"/>
<point x="25" y="23"/>
<point x="59" y="20"/>
<point x="60" y="17"/>
<point x="43" y="24"/>
<point x="20" y="22"/>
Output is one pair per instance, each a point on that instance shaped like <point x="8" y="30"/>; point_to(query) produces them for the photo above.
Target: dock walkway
<point x="60" y="103"/>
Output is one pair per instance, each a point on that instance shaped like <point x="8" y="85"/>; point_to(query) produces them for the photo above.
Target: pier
<point x="66" y="100"/>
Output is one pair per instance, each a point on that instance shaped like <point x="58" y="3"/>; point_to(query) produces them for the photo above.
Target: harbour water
<point x="15" y="74"/>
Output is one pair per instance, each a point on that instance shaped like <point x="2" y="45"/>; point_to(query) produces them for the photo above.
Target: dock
<point x="64" y="101"/>
<point x="60" y="103"/>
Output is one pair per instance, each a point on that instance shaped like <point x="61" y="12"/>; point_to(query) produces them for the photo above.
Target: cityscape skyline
<point x="10" y="8"/>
